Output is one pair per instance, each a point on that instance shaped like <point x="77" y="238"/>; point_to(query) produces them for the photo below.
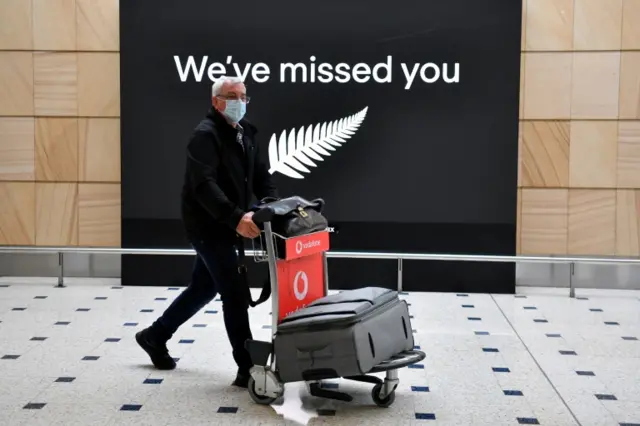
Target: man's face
<point x="230" y="91"/>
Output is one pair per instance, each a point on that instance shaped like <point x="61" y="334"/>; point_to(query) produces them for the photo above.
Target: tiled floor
<point x="67" y="357"/>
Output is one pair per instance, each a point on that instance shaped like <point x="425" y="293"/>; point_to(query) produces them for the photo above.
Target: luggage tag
<point x="302" y="212"/>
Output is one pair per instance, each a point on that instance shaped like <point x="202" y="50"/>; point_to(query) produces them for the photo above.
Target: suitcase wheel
<point x="258" y="399"/>
<point x="382" y="402"/>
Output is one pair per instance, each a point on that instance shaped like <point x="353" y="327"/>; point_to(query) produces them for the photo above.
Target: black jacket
<point x="221" y="177"/>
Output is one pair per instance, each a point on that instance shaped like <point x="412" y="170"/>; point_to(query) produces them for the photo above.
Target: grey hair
<point x="216" y="88"/>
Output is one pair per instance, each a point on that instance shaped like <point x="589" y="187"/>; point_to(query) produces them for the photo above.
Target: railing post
<point x="572" y="291"/>
<point x="399" y="274"/>
<point x="60" y="270"/>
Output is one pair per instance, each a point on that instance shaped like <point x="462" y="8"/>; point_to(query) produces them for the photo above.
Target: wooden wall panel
<point x="17" y="213"/>
<point x="56" y="214"/>
<point x="630" y="85"/>
<point x="628" y="223"/>
<point x="545" y="154"/>
<point x="596" y="82"/>
<point x="54" y="24"/>
<point x="99" y="150"/>
<point x="549" y="24"/>
<point x="594" y="154"/>
<point x="16" y="28"/>
<point x="57" y="149"/>
<point x="99" y="84"/>
<point x="592" y="222"/>
<point x="98" y="25"/>
<point x="598" y="24"/>
<point x="522" y="81"/>
<point x="16" y="83"/>
<point x="99" y="214"/>
<point x="593" y="47"/>
<point x="547" y="87"/>
<point x="60" y="122"/>
<point x="629" y="154"/>
<point x="56" y="88"/>
<point x="520" y="151"/>
<point x="17" y="152"/>
<point x="543" y="229"/>
<point x="631" y="25"/>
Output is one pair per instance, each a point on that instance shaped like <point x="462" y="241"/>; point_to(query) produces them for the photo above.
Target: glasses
<point x="244" y="98"/>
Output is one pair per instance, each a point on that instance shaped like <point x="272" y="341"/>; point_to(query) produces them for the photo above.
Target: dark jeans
<point x="214" y="271"/>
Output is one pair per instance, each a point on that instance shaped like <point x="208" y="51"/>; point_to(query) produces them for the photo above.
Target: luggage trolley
<point x="298" y="275"/>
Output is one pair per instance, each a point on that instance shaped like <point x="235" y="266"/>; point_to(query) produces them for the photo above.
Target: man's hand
<point x="247" y="228"/>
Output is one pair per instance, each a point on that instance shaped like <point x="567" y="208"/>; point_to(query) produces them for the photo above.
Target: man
<point x="223" y="171"/>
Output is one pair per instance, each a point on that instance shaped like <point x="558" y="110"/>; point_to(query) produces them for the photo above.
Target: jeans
<point x="215" y="271"/>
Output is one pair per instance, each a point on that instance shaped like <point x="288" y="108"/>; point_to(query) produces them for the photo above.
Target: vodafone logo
<point x="302" y="246"/>
<point x="300" y="294"/>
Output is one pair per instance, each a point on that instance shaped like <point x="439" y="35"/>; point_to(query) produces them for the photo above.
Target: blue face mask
<point x="235" y="110"/>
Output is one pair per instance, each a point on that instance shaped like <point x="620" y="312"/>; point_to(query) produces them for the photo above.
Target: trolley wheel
<point x="258" y="399"/>
<point x="382" y="402"/>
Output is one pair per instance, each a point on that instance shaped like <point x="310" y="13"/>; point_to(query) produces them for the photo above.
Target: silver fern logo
<point x="291" y="154"/>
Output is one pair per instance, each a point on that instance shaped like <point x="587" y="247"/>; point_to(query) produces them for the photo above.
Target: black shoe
<point x="156" y="349"/>
<point x="242" y="380"/>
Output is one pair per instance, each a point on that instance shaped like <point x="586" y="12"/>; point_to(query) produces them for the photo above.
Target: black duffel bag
<point x="292" y="216"/>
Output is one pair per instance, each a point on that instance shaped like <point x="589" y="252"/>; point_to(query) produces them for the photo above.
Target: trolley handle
<point x="263" y="214"/>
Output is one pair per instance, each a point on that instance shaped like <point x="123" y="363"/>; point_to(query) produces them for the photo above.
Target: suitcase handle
<point x="311" y="353"/>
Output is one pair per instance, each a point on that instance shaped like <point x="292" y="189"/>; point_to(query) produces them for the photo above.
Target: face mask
<point x="235" y="110"/>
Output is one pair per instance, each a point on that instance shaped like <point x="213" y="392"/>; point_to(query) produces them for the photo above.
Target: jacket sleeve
<point x="263" y="185"/>
<point x="202" y="169"/>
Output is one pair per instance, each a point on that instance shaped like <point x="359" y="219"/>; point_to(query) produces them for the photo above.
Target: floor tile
<point x="131" y="407"/>
<point x="603" y="397"/>
<point x="425" y="416"/>
<point x="10" y="357"/>
<point x="35" y="406"/>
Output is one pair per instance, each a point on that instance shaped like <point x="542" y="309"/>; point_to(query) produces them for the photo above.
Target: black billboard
<point x="403" y="116"/>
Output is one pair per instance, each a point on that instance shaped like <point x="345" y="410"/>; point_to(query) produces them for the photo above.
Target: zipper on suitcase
<point x="342" y="323"/>
<point x="373" y="306"/>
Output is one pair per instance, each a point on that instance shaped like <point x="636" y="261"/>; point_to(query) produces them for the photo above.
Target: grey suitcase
<point x="341" y="335"/>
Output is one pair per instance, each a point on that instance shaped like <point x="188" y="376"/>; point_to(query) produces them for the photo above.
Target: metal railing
<point x="399" y="257"/>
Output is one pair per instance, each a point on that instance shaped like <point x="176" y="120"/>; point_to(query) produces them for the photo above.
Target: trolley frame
<point x="265" y="385"/>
